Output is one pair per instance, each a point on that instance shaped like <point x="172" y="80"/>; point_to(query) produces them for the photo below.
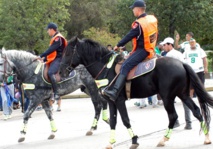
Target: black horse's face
<point x="71" y="58"/>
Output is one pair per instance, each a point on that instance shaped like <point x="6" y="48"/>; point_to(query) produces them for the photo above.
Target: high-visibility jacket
<point x="53" y="55"/>
<point x="150" y="32"/>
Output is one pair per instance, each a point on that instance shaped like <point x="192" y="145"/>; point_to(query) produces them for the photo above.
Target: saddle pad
<point x="142" y="68"/>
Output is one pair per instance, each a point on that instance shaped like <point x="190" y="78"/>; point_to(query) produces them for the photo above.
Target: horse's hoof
<point x="107" y="121"/>
<point x="109" y="146"/>
<point x="21" y="139"/>
<point x="89" y="133"/>
<point x="161" y="144"/>
<point x="134" y="146"/>
<point x="52" y="136"/>
<point x="207" y="142"/>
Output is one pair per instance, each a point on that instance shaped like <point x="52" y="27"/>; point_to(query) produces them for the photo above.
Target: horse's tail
<point x="204" y="98"/>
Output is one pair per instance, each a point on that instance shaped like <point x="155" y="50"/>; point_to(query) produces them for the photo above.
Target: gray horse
<point x="30" y="73"/>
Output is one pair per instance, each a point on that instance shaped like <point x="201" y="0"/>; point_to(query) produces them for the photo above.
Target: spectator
<point x="159" y="48"/>
<point x="123" y="51"/>
<point x="185" y="44"/>
<point x="7" y="96"/>
<point x="21" y="96"/>
<point x="168" y="44"/>
<point x="109" y="47"/>
<point x="0" y="103"/>
<point x="141" y="103"/>
<point x="196" y="58"/>
<point x="58" y="103"/>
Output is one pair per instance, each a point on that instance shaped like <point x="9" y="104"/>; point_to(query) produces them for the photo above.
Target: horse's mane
<point x="90" y="48"/>
<point x="20" y="55"/>
<point x="87" y="47"/>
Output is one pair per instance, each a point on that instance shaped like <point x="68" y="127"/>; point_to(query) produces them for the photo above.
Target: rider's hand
<point x="177" y="37"/>
<point x="115" y="48"/>
<point x="205" y="70"/>
<point x="40" y="58"/>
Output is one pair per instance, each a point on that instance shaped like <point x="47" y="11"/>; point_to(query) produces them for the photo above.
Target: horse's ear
<point x="75" y="40"/>
<point x="2" y="51"/>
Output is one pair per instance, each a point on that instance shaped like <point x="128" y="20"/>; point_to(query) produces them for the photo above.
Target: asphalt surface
<point x="76" y="118"/>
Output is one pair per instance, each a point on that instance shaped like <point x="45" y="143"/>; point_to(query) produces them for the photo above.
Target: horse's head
<point x="86" y="52"/>
<point x="71" y="58"/>
<point x="6" y="66"/>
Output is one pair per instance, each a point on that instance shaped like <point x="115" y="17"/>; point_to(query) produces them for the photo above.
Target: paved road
<point x="76" y="118"/>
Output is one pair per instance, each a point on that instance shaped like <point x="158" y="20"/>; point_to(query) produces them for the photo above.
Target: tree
<point x="85" y="14"/>
<point x="102" y="36"/>
<point x="183" y="16"/>
<point x="123" y="18"/>
<point x="22" y="22"/>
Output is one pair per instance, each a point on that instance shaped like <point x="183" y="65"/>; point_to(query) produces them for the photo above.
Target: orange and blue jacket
<point x="56" y="47"/>
<point x="143" y="34"/>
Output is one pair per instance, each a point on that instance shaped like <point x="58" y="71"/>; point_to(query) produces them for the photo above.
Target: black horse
<point x="23" y="65"/>
<point x="170" y="78"/>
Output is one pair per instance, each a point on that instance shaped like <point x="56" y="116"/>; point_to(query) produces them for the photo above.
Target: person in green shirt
<point x="159" y="48"/>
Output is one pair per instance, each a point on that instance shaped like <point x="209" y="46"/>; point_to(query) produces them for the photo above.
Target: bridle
<point x="69" y="67"/>
<point x="6" y="63"/>
<point x="11" y="73"/>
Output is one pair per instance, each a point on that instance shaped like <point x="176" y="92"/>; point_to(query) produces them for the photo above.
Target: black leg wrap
<point x="135" y="140"/>
<point x="23" y="132"/>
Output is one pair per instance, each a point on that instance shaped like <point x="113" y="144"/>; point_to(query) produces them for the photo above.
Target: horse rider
<point x="143" y="34"/>
<point x="53" y="55"/>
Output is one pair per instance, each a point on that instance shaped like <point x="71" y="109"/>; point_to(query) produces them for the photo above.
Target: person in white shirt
<point x="183" y="46"/>
<point x="196" y="58"/>
<point x="168" y="45"/>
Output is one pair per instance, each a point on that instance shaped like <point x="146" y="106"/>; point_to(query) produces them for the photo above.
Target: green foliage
<point x="123" y="18"/>
<point x="184" y="16"/>
<point x="22" y="22"/>
<point x="85" y="14"/>
<point x="102" y="36"/>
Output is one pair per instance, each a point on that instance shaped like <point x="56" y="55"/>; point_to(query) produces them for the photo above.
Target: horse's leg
<point x="196" y="112"/>
<point x="172" y="115"/>
<point x="31" y="108"/>
<point x="48" y="111"/>
<point x="105" y="116"/>
<point x="113" y="122"/>
<point x="121" y="105"/>
<point x="91" y="90"/>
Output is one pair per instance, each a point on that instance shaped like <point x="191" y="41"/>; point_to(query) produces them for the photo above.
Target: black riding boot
<point x="118" y="86"/>
<point x="55" y="87"/>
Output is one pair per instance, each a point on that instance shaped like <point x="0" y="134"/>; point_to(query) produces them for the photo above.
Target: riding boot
<point x="55" y="87"/>
<point x="118" y="86"/>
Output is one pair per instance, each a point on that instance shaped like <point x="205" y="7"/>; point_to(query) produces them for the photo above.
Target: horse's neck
<point x="24" y="67"/>
<point x="95" y="69"/>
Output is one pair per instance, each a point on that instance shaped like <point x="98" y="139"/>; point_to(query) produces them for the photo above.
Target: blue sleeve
<point x="132" y="33"/>
<point x="52" y="48"/>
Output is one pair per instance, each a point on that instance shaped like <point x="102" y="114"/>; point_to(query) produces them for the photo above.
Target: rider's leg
<point x="53" y="69"/>
<point x="137" y="57"/>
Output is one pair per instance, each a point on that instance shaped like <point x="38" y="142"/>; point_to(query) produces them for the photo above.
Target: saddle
<point x="57" y="75"/>
<point x="142" y="68"/>
<point x="43" y="68"/>
<point x="46" y="77"/>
